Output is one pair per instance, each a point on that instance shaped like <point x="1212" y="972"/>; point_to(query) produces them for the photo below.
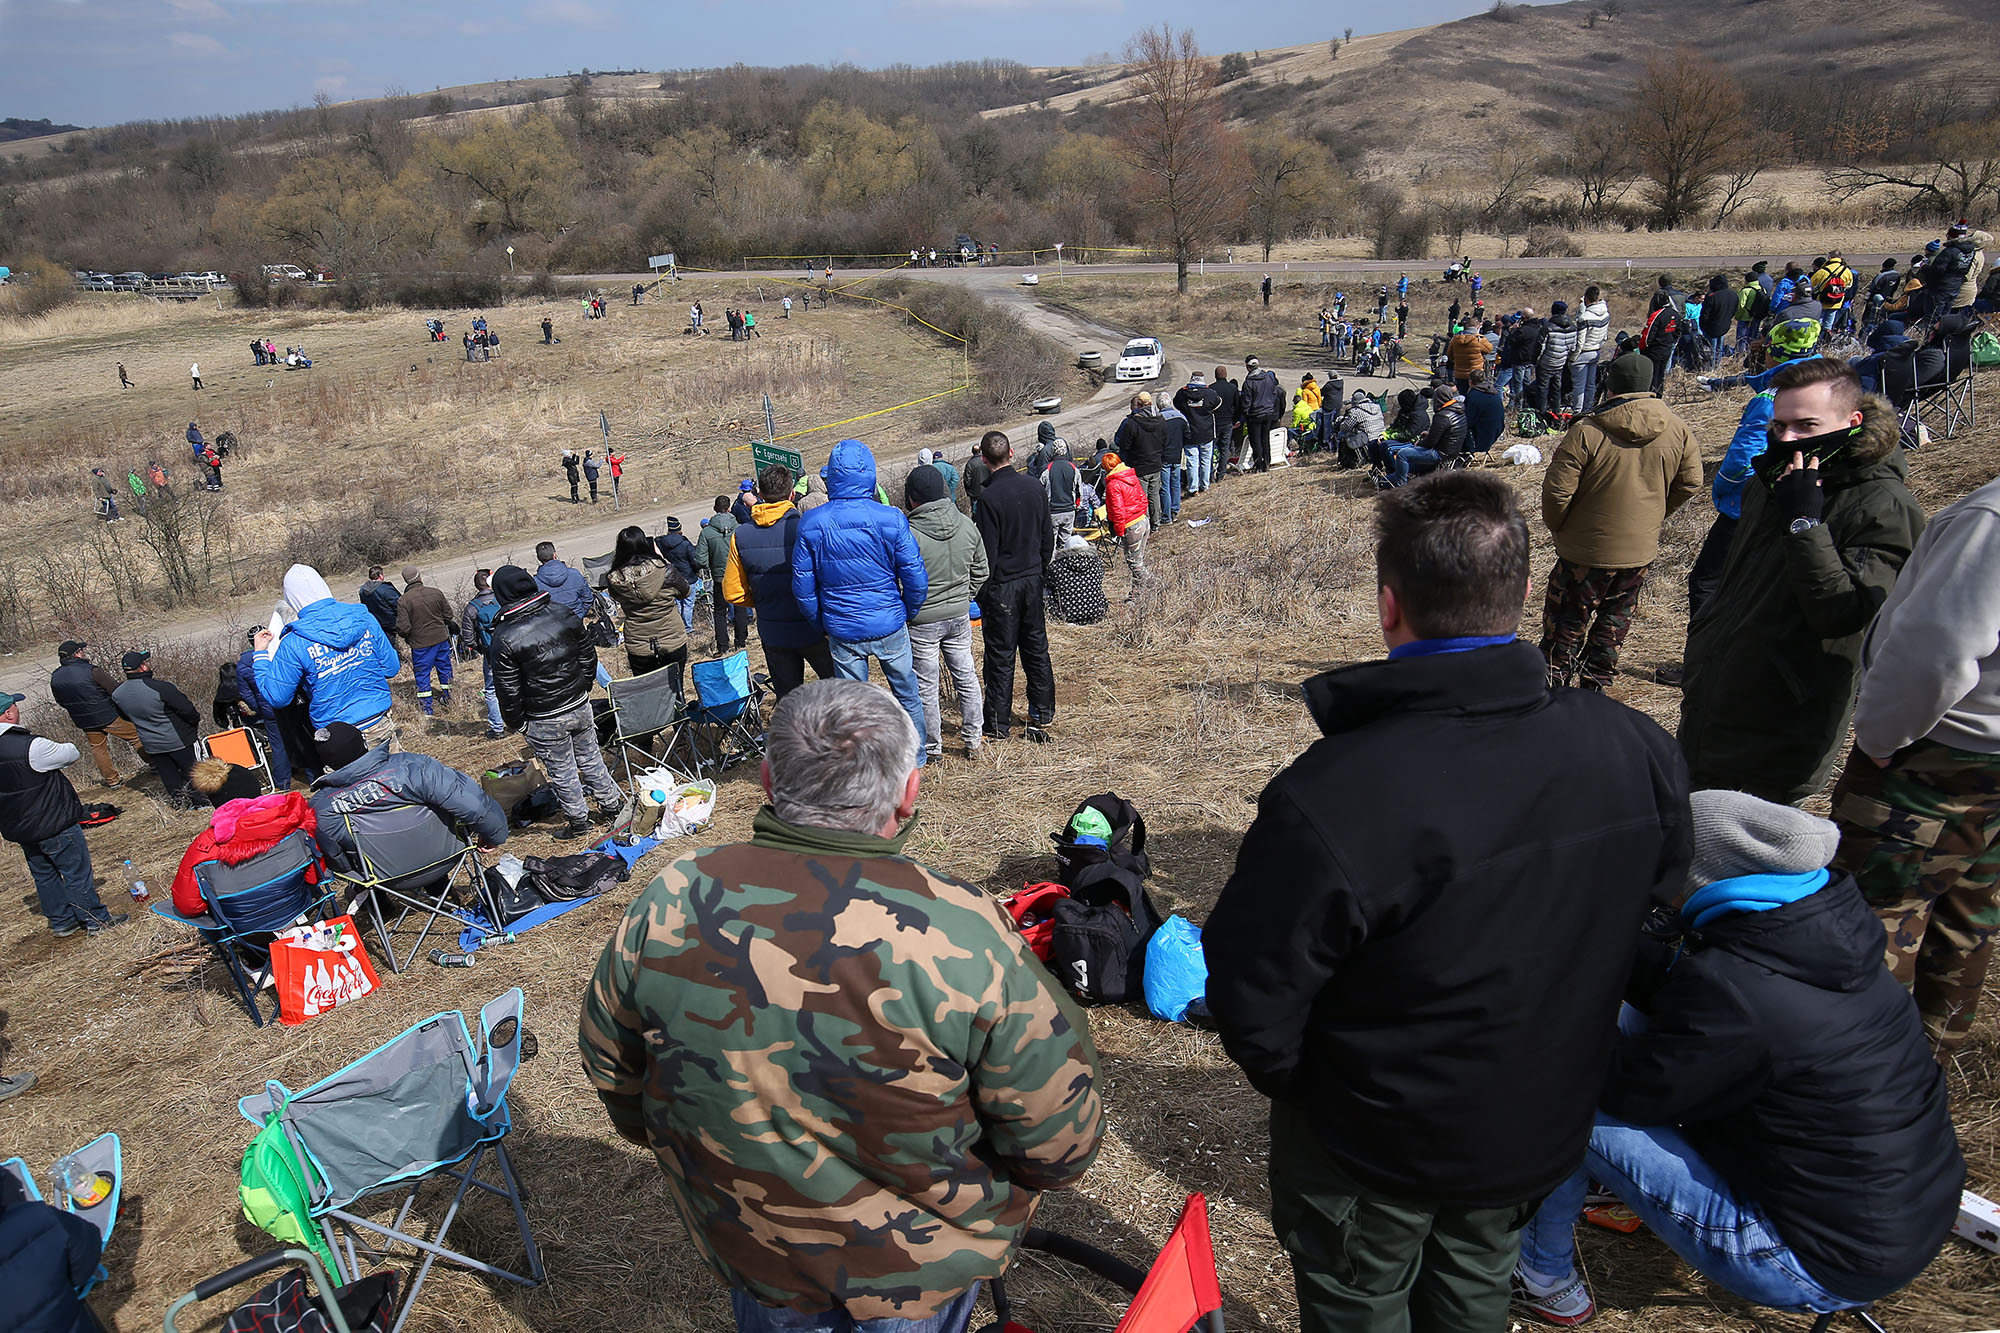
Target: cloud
<point x="197" y="44"/>
<point x="198" y="11"/>
<point x="570" y="14"/>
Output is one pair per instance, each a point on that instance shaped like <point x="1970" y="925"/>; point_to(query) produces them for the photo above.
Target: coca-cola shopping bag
<point x="319" y="967"/>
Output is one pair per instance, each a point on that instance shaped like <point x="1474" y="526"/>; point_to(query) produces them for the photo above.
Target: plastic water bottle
<point x="443" y="959"/>
<point x="138" y="886"/>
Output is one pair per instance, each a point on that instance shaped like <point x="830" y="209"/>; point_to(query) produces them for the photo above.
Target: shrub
<point x="1550" y="243"/>
<point x="385" y="531"/>
<point x="445" y="291"/>
<point x="36" y="288"/>
<point x="1232" y="67"/>
<point x="1502" y="12"/>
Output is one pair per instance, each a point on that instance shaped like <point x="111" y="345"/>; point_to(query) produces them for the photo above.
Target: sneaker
<point x="111" y="919"/>
<point x="13" y="1085"/>
<point x="1670" y="675"/>
<point x="1566" y="1307"/>
<point x="496" y="735"/>
<point x="64" y="932"/>
<point x="574" y="828"/>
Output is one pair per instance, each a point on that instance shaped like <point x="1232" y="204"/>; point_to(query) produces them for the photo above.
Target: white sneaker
<point x="1566" y="1306"/>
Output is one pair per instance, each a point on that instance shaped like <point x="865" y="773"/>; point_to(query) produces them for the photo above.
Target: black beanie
<point x="924" y="484"/>
<point x="342" y="746"/>
<point x="513" y="585"/>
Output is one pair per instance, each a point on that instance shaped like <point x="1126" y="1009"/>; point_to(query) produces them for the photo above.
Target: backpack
<point x="1097" y="944"/>
<point x="1076" y="587"/>
<point x="484" y="613"/>
<point x="1985" y="349"/>
<point x="1835" y="290"/>
<point x="1760" y="305"/>
<point x="276" y="1191"/>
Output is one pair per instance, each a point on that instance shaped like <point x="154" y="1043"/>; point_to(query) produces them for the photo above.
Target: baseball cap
<point x="746" y="485"/>
<point x="7" y="700"/>
<point x="70" y="648"/>
<point x="135" y="659"/>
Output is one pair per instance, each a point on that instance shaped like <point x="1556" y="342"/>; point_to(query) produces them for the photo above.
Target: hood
<point x="1829" y="939"/>
<point x="1561" y="322"/>
<point x="338" y="625"/>
<point x="265" y="819"/>
<point x="934" y="518"/>
<point x="1365" y="406"/>
<point x="1500" y="678"/>
<point x="764" y="515"/>
<point x="1634" y="420"/>
<point x="1148" y="424"/>
<point x="1876" y="439"/>
<point x="303" y="587"/>
<point x="554" y="574"/>
<point x="850" y="472"/>
<point x="639" y="575"/>
<point x="724" y="523"/>
<point x="1045" y="432"/>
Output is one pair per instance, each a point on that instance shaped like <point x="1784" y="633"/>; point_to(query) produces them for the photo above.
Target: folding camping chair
<point x="1180" y="1291"/>
<point x="429" y="1104"/>
<point x="644" y="709"/>
<point x="288" y="1305"/>
<point x="103" y="1155"/>
<point x="239" y="746"/>
<point x="410" y="857"/>
<point x="1932" y="384"/>
<point x="251" y="901"/>
<point x="726" y="720"/>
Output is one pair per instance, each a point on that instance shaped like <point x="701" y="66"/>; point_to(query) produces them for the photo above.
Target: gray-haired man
<point x="899" y="1013"/>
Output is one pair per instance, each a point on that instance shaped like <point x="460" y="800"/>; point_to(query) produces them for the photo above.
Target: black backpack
<point x="1098" y="947"/>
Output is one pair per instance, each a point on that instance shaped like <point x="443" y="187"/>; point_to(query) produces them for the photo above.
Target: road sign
<point x="661" y="261"/>
<point x="763" y="455"/>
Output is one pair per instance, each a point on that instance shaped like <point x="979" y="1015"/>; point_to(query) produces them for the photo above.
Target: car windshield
<point x="1140" y="347"/>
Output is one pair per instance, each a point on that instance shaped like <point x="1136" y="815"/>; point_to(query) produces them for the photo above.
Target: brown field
<point x="1186" y="702"/>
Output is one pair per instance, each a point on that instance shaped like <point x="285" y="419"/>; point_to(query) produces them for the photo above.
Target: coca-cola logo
<point x="332" y="980"/>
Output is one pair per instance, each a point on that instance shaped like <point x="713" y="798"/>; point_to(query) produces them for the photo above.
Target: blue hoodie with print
<point x="335" y="651"/>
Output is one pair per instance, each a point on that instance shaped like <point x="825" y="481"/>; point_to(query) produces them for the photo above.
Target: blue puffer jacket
<point x="566" y="588"/>
<point x="380" y="779"/>
<point x="1749" y="442"/>
<point x="45" y="1255"/>
<point x="338" y="653"/>
<point x="856" y="570"/>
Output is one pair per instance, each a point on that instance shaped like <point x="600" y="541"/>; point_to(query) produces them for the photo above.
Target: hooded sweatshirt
<point x="856" y="571"/>
<point x="954" y="560"/>
<point x="237" y="831"/>
<point x="335" y="651"/>
<point x="1613" y="480"/>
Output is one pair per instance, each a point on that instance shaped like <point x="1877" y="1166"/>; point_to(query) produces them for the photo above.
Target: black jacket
<point x="1447" y="431"/>
<point x="1013" y="521"/>
<point x="45" y="1255"/>
<point x="1796" y="1064"/>
<point x="678" y="551"/>
<point x="1142" y="442"/>
<point x="543" y="661"/>
<point x="1437" y="975"/>
<point x="1198" y="403"/>
<point x="1522" y="346"/>
<point x="1225" y="408"/>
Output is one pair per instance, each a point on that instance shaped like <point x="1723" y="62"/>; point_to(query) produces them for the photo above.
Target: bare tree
<point x="1288" y="184"/>
<point x="1685" y="119"/>
<point x="1961" y="177"/>
<point x="1182" y="154"/>
<point x="1597" y="158"/>
<point x="1516" y="164"/>
<point x="1753" y="153"/>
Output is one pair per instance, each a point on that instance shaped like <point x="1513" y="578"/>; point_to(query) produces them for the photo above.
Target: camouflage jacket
<point x="853" y="1072"/>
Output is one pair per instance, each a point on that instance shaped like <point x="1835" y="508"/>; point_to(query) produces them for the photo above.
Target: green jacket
<point x="954" y="558"/>
<point x="1774" y="656"/>
<point x="713" y="548"/>
<point x="853" y="1072"/>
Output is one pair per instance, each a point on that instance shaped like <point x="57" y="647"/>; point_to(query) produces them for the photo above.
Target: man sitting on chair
<point x="359" y="778"/>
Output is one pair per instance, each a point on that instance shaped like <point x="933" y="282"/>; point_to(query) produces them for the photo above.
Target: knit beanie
<point x="1736" y="833"/>
<point x="924" y="484"/>
<point x="673" y="524"/>
<point x="1559" y="308"/>
<point x="513" y="585"/>
<point x="411" y="574"/>
<point x="1630" y="373"/>
<point x="340" y="744"/>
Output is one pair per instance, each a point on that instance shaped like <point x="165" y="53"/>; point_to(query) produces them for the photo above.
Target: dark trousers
<point x="574" y="497"/>
<point x="1586" y="614"/>
<point x="788" y="665"/>
<point x="593" y="490"/>
<point x="174" y="768"/>
<point x="673" y="663"/>
<point x="724" y="614"/>
<point x="64" y="886"/>
<point x="1260" y="441"/>
<point x="1706" y="573"/>
<point x="274" y="750"/>
<point x="1660" y="356"/>
<point x="1366" y="1264"/>
<point x="1014" y="617"/>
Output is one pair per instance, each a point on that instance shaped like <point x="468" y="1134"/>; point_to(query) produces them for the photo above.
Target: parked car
<point x="285" y="273"/>
<point x="1142" y="359"/>
<point x="98" y="282"/>
<point x="130" y="282"/>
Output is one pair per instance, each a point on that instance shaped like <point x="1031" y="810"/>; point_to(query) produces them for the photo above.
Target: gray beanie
<point x="1735" y="834"/>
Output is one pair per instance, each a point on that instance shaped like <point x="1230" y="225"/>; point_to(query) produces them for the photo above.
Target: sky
<point x="99" y="62"/>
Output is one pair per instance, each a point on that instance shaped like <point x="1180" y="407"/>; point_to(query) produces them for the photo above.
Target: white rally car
<point x="1142" y="359"/>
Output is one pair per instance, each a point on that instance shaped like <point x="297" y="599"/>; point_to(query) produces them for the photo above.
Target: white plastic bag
<point x="1522" y="455"/>
<point x="689" y="807"/>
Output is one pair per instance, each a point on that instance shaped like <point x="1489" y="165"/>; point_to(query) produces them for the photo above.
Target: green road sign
<point x="763" y="455"/>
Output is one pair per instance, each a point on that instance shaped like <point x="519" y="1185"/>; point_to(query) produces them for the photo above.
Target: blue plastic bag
<point x="1176" y="972"/>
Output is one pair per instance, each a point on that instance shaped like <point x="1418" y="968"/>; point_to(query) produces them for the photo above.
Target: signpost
<point x="763" y="455"/>
<point x="604" y="425"/>
<point x="665" y="261"/>
<point x="1059" y="246"/>
<point x="510" y="259"/>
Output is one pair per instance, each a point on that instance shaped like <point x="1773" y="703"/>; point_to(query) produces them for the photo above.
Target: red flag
<point x="1182" y="1286"/>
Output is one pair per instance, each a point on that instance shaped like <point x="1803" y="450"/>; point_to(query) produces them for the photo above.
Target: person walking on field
<point x="876" y="1179"/>
<point x="124" y="380"/>
<point x="194" y="373"/>
<point x="424" y="618"/>
<point x="1020" y="538"/>
<point x="105" y="494"/>
<point x="941" y="631"/>
<point x="1919" y="803"/>
<point x="1265" y="287"/>
<point x="39" y="813"/>
<point x="1365" y="959"/>
<point x="1614" y="479"/>
<point x="84" y="690"/>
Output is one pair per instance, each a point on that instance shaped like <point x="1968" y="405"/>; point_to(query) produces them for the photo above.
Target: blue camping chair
<point x="104" y="1155"/>
<point x="251" y="901"/>
<point x="726" y="719"/>
<point x="429" y="1104"/>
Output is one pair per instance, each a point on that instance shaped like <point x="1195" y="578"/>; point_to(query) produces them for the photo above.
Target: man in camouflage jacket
<point x="855" y="1075"/>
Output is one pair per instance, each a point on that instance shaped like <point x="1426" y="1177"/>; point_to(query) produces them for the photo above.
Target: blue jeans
<point x="1514" y="377"/>
<point x="687" y="610"/>
<point x="850" y="662"/>
<point x="493" y="722"/>
<point x="1204" y="467"/>
<point x="1405" y="459"/>
<point x="1745" y="328"/>
<point x="752" y="1317"/>
<point x="60" y="867"/>
<point x="1583" y="387"/>
<point x="1828" y="318"/>
<point x="1170" y="491"/>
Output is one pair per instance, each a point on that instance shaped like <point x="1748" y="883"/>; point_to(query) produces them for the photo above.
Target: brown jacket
<point x="423" y="616"/>
<point x="649" y="594"/>
<point x="1614" y="479"/>
<point x="1468" y="352"/>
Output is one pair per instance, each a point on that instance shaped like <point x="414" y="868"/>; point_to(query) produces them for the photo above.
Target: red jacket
<point x="617" y="462"/>
<point x="1124" y="498"/>
<point x="236" y="832"/>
